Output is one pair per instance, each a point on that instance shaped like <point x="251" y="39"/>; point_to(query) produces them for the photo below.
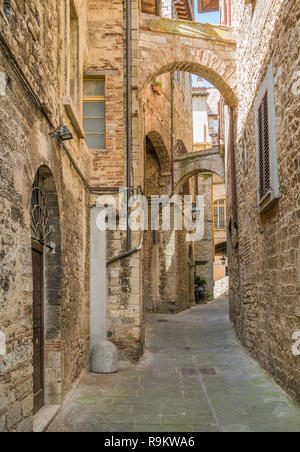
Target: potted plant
<point x="200" y="284"/>
<point x="157" y="88"/>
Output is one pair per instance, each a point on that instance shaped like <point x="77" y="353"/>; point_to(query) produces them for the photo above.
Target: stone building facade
<point x="168" y="268"/>
<point x="264" y="270"/>
<point x="49" y="189"/>
<point x="66" y="66"/>
<point x="38" y="95"/>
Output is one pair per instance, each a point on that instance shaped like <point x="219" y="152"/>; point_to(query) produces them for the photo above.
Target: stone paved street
<point x="194" y="377"/>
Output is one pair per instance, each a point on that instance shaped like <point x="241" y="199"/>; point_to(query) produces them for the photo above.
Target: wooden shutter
<point x="264" y="147"/>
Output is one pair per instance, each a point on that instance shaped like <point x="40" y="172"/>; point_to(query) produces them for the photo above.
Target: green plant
<point x="158" y="84"/>
<point x="200" y="281"/>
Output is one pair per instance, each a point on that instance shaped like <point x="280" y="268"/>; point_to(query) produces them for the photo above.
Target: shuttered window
<point x="266" y="143"/>
<point x="264" y="147"/>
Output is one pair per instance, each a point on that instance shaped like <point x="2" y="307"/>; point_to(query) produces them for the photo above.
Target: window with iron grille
<point x="266" y="145"/>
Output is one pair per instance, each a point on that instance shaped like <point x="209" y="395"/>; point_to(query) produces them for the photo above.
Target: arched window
<point x="220" y="214"/>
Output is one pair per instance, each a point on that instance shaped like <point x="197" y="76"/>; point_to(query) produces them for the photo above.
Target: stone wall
<point x="166" y="266"/>
<point x="263" y="252"/>
<point x="34" y="86"/>
<point x="204" y="250"/>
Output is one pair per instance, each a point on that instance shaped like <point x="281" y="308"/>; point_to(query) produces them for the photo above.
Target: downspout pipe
<point x="128" y="113"/>
<point x="172" y="131"/>
<point x="233" y="170"/>
<point x="190" y="9"/>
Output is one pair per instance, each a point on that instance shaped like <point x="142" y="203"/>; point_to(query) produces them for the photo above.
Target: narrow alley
<point x="149" y="216"/>
<point x="194" y="377"/>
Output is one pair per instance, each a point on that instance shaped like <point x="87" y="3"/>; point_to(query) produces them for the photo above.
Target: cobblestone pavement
<point x="194" y="377"/>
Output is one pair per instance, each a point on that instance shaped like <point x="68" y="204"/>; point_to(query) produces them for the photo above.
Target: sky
<point x="212" y="18"/>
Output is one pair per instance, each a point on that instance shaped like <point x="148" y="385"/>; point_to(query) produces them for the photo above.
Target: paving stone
<point x="240" y="398"/>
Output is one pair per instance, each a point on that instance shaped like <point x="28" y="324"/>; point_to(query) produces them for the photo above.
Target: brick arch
<point x="208" y="51"/>
<point x="160" y="150"/>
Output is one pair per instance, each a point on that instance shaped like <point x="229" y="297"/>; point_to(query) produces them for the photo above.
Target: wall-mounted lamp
<point x="195" y="212"/>
<point x="223" y="261"/>
<point x="63" y="133"/>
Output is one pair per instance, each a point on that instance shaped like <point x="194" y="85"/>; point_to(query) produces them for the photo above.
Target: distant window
<point x="7" y="8"/>
<point x="220" y="214"/>
<point x="178" y="77"/>
<point x="94" y="113"/>
<point x="265" y="119"/>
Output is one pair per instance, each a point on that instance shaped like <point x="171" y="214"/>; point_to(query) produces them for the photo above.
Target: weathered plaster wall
<point x="263" y="254"/>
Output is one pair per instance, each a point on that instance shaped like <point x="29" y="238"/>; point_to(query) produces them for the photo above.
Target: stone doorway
<point x="47" y="274"/>
<point x="38" y="326"/>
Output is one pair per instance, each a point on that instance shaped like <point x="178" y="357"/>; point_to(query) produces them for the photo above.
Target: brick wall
<point x="106" y="55"/>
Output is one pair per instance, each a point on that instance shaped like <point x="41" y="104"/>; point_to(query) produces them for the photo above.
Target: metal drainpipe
<point x="190" y="9"/>
<point x="172" y="131"/>
<point x="233" y="170"/>
<point x="128" y="112"/>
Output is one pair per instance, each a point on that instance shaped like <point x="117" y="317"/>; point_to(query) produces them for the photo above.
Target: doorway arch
<point x="47" y="286"/>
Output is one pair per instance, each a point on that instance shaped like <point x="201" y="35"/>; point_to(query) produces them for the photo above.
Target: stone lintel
<point x="210" y="32"/>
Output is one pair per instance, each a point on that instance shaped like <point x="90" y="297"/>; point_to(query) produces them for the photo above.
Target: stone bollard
<point x="104" y="359"/>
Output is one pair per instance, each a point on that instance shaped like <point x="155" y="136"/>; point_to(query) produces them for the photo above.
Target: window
<point x="94" y="113"/>
<point x="178" y="77"/>
<point x="266" y="152"/>
<point x="220" y="214"/>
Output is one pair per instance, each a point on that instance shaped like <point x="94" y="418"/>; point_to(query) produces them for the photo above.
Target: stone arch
<point x="199" y="162"/>
<point x="160" y="150"/>
<point x="201" y="49"/>
<point x="52" y="288"/>
<point x="157" y="179"/>
<point x="221" y="79"/>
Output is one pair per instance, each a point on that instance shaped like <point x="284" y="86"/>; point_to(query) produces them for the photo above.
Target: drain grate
<point x="201" y="371"/>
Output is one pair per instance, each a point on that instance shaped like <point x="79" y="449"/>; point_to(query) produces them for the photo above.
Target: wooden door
<point x="38" y="327"/>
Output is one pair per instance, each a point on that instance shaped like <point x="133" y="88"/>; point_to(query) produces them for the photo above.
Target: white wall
<point x="98" y="296"/>
<point x="200" y="119"/>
